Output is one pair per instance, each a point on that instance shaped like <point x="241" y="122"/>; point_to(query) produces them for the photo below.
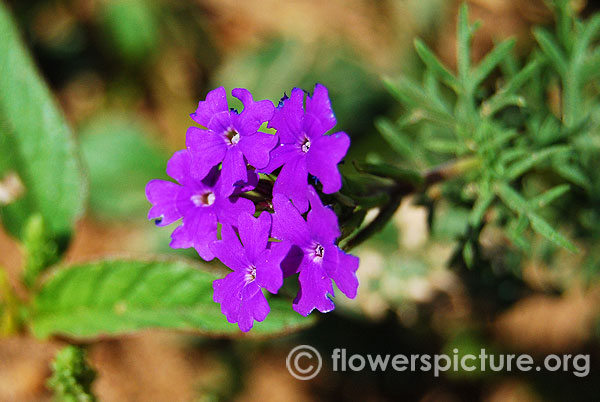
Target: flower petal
<point x="256" y="148"/>
<point x="207" y="150"/>
<point x="288" y="224"/>
<point x="287" y="119"/>
<point x="315" y="286"/>
<point x="216" y="101"/>
<point x="228" y="209"/>
<point x="312" y="127"/>
<point x="344" y="273"/>
<point x="322" y="221"/>
<point x="292" y="182"/>
<point x="254" y="233"/>
<point x="163" y="195"/>
<point x="222" y="122"/>
<point x="229" y="250"/>
<point x="281" y="154"/>
<point x="268" y="267"/>
<point x="292" y="262"/>
<point x="322" y="159"/>
<point x="254" y="113"/>
<point x="319" y="105"/>
<point x="179" y="165"/>
<point x="234" y="171"/>
<point x="227" y="292"/>
<point x="255" y="309"/>
<point x="198" y="230"/>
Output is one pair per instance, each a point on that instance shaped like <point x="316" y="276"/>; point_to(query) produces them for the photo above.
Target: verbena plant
<point x="482" y="135"/>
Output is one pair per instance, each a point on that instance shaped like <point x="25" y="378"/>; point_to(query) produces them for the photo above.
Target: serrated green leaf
<point x="38" y="142"/>
<point x="114" y="297"/>
<point x="436" y="67"/>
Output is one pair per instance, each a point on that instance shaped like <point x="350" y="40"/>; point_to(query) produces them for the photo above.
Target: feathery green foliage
<point x="504" y="119"/>
<point x="71" y="378"/>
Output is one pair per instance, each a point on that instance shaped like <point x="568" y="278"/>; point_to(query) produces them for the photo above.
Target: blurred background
<point x="127" y="73"/>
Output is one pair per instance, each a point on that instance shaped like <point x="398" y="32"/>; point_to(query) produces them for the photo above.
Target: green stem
<point x="9" y="307"/>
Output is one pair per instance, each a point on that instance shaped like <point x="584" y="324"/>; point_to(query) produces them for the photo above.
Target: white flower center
<point x="250" y="274"/>
<point x="319" y="251"/>
<point x="203" y="200"/>
<point x="232" y="137"/>
<point x="306" y="145"/>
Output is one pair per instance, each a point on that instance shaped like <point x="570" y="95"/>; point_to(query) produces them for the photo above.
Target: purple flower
<point x="316" y="255"/>
<point x="231" y="137"/>
<point x="199" y="203"/>
<point x="255" y="265"/>
<point x="304" y="148"/>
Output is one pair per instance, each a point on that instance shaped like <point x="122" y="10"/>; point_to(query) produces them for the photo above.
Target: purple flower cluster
<point x="225" y="177"/>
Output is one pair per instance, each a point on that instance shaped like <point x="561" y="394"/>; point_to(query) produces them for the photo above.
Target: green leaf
<point x="464" y="35"/>
<point x="591" y="30"/>
<point x="506" y="95"/>
<point x="552" y="50"/>
<point x="40" y="250"/>
<point x="520" y="205"/>
<point x="516" y="230"/>
<point x="512" y="199"/>
<point x="573" y="174"/>
<point x="35" y="137"/>
<point x="388" y="171"/>
<point x="528" y="162"/>
<point x="590" y="68"/>
<point x="542" y="227"/>
<point x="132" y="27"/>
<point x="481" y="206"/>
<point x="445" y="146"/>
<point x="71" y="378"/>
<point x="491" y="61"/>
<point x="120" y="159"/>
<point x="411" y="94"/>
<point x="549" y="196"/>
<point x="114" y="297"/>
<point x="432" y="62"/>
<point x="399" y="142"/>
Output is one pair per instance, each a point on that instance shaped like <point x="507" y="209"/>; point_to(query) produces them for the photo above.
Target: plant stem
<point x="9" y="307"/>
<point x="440" y="173"/>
